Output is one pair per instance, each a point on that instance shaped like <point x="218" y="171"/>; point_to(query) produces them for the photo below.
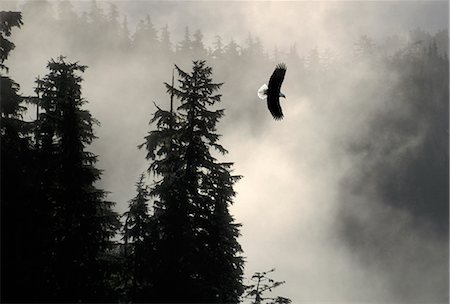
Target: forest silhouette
<point x="62" y="239"/>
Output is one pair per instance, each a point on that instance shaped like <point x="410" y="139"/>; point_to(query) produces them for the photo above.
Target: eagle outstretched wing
<point x="273" y="92"/>
<point x="277" y="77"/>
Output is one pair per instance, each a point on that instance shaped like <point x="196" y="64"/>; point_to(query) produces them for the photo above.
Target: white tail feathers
<point x="262" y="92"/>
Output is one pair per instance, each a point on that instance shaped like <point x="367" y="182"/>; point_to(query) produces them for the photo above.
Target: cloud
<point x="297" y="201"/>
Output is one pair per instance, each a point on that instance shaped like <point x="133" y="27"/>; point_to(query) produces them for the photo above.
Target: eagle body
<point x="273" y="91"/>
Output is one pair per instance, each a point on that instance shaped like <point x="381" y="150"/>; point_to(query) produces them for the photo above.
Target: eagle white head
<point x="262" y="91"/>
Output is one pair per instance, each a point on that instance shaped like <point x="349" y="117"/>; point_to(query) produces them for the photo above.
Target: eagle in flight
<point x="273" y="93"/>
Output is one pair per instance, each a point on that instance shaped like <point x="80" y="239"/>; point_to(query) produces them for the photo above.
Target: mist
<point x="347" y="196"/>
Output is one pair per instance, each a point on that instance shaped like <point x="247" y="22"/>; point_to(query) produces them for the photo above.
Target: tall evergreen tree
<point x="135" y="231"/>
<point x="198" y="248"/>
<point x="198" y="48"/>
<point x="171" y="232"/>
<point x="165" y="43"/>
<point x="145" y="39"/>
<point x="124" y="35"/>
<point x="232" y="51"/>
<point x="216" y="53"/>
<point x="97" y="33"/>
<point x="184" y="47"/>
<point x="21" y="274"/>
<point x="254" y="51"/>
<point x="83" y="221"/>
<point x="113" y="27"/>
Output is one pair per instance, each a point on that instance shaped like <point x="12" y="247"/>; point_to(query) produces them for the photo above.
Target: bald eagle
<point x="272" y="92"/>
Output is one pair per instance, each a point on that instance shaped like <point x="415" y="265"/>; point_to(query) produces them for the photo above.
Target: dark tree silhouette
<point x="83" y="221"/>
<point x="21" y="248"/>
<point x="261" y="283"/>
<point x="197" y="249"/>
<point x="135" y="232"/>
<point x="8" y="20"/>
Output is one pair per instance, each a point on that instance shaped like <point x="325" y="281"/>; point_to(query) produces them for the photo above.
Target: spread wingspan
<point x="273" y="92"/>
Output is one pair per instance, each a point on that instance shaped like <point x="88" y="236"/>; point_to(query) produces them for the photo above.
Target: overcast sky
<point x="289" y="200"/>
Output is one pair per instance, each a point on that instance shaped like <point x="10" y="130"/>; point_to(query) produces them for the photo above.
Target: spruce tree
<point x="145" y="39"/>
<point x="198" y="48"/>
<point x="8" y="20"/>
<point x="260" y="285"/>
<point x="198" y="250"/>
<point x="232" y="52"/>
<point x="171" y="230"/>
<point x="83" y="221"/>
<point x="21" y="250"/>
<point x="124" y="35"/>
<point x="136" y="253"/>
<point x="165" y="44"/>
<point x="218" y="49"/>
<point x="184" y="47"/>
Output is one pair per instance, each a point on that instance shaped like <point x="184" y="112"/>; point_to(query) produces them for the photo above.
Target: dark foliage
<point x="136" y="249"/>
<point x="56" y="225"/>
<point x="82" y="220"/>
<point x="196" y="251"/>
<point x="8" y="20"/>
<point x="22" y="250"/>
<point x="261" y="283"/>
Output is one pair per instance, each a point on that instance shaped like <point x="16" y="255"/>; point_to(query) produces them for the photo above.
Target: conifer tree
<point x="124" y="35"/>
<point x="198" y="252"/>
<point x="254" y="51"/>
<point x="8" y="21"/>
<point x="135" y="231"/>
<point x="21" y="249"/>
<point x="165" y="43"/>
<point x="145" y="39"/>
<point x="218" y="50"/>
<point x="169" y="240"/>
<point x="198" y="48"/>
<point x="260" y="285"/>
<point x="83" y="221"/>
<point x="232" y="52"/>
<point x="184" y="47"/>
<point x="113" y="32"/>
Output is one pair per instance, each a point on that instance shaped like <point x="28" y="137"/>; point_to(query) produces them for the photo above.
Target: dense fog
<point x="347" y="196"/>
